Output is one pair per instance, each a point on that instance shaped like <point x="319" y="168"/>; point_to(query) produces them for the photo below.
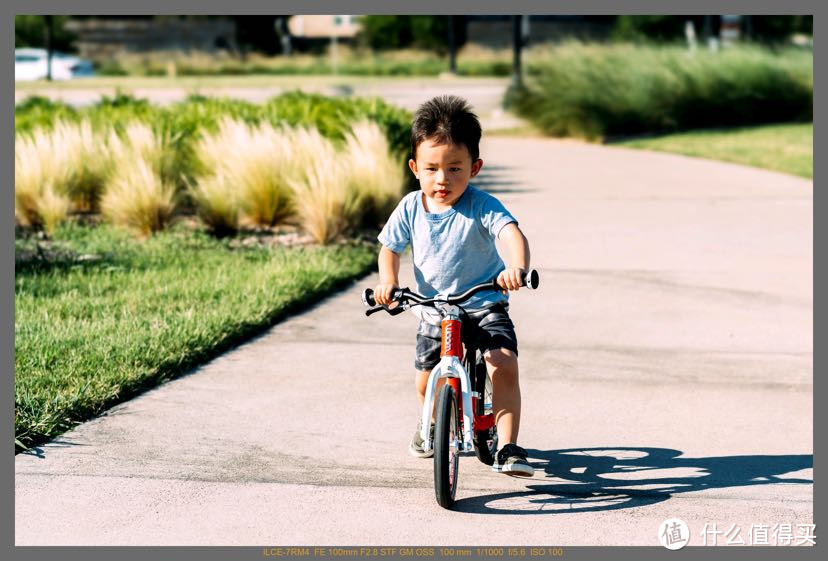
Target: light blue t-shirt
<point x="452" y="250"/>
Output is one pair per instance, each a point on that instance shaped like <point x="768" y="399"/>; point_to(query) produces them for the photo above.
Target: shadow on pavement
<point x="594" y="479"/>
<point x="494" y="179"/>
<point x="57" y="443"/>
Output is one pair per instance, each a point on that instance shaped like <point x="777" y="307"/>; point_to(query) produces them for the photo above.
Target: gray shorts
<point x="494" y="330"/>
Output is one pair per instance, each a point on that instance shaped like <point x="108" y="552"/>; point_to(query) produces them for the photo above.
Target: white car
<point x="31" y="64"/>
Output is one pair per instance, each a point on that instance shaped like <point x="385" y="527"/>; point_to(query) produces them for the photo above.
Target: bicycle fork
<point x="451" y="368"/>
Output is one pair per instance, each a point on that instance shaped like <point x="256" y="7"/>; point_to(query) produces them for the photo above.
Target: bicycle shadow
<point x="595" y="479"/>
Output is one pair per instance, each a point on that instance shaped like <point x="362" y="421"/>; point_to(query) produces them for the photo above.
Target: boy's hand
<point x="511" y="279"/>
<point x="383" y="293"/>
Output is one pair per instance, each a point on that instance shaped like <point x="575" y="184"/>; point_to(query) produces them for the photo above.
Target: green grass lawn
<point x="99" y="316"/>
<point x="787" y="147"/>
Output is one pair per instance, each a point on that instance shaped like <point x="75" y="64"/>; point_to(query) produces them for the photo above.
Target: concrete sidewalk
<point x="666" y="367"/>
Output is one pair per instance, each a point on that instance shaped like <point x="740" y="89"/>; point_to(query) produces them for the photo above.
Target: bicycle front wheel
<point x="485" y="441"/>
<point x="446" y="446"/>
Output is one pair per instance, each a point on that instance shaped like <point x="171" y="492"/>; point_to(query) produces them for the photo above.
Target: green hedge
<point x="595" y="91"/>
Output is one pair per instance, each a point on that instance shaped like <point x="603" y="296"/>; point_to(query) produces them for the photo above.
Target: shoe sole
<point x="513" y="472"/>
<point x="418" y="454"/>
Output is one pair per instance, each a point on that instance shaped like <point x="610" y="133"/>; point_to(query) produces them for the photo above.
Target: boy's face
<point x="444" y="170"/>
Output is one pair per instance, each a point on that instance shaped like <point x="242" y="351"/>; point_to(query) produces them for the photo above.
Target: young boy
<point x="452" y="227"/>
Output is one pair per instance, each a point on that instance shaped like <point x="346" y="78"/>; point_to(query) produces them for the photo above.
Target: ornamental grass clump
<point x="136" y="196"/>
<point x="35" y="172"/>
<point x="243" y="178"/>
<point x="375" y="176"/>
<point x="137" y="199"/>
<point x="217" y="203"/>
<point x="90" y="164"/>
<point x="53" y="208"/>
<point x="138" y="139"/>
<point x="61" y="167"/>
<point x="266" y="196"/>
<point x="325" y="203"/>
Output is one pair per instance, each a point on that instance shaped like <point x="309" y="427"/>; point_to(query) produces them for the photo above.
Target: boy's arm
<point x="517" y="246"/>
<point x="389" y="276"/>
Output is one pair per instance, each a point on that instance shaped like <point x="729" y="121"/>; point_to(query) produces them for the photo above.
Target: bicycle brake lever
<point x="373" y="310"/>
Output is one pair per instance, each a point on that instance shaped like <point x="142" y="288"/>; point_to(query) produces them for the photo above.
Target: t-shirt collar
<point x="435" y="216"/>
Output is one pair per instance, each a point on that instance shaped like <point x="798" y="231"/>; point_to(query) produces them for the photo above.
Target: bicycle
<point x="463" y="417"/>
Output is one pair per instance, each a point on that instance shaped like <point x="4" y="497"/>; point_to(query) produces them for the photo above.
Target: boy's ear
<point x="413" y="166"/>
<point x="475" y="169"/>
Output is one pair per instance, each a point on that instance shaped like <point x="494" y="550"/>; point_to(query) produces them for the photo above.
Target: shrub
<point x="41" y="112"/>
<point x="594" y="91"/>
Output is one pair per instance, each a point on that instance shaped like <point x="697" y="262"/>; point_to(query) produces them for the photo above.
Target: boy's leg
<point x="499" y="345"/>
<point x="415" y="447"/>
<point x="427" y="357"/>
<point x="421" y="381"/>
<point x="502" y="365"/>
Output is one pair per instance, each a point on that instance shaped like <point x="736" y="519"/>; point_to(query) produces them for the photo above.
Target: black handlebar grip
<point x="532" y="279"/>
<point x="368" y="297"/>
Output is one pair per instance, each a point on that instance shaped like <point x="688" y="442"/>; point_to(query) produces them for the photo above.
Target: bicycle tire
<point x="485" y="441"/>
<point x="446" y="452"/>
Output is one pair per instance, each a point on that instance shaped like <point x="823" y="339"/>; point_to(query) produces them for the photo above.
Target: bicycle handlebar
<point x="530" y="280"/>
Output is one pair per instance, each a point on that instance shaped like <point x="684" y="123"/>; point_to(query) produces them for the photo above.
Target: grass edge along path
<point x="787" y="147"/>
<point x="111" y="317"/>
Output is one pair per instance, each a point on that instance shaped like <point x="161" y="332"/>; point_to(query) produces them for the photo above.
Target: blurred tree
<point x="779" y="28"/>
<point x="430" y="33"/>
<point x="30" y="31"/>
<point x="652" y="28"/>
<point x="423" y="32"/>
<point x="671" y="28"/>
<point x="258" y="33"/>
<point x="386" y="32"/>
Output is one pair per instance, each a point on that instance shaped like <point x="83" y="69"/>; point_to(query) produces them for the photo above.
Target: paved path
<point x="666" y="367"/>
<point x="485" y="93"/>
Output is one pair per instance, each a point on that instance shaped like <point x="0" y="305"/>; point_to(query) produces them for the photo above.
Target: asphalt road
<point x="666" y="367"/>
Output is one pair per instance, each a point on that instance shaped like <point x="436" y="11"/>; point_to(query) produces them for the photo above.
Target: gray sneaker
<point x="416" y="446"/>
<point x="511" y="460"/>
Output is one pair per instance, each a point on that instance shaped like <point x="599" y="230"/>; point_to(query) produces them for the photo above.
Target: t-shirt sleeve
<point x="494" y="216"/>
<point x="396" y="234"/>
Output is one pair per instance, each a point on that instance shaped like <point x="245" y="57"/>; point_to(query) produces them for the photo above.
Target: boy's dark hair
<point x="446" y="119"/>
